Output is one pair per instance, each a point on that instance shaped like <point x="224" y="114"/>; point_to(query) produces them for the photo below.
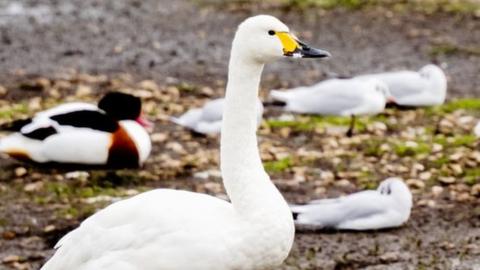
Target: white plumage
<point x="208" y="119"/>
<point x="426" y="87"/>
<point x="343" y="97"/>
<point x="388" y="206"/>
<point x="170" y="229"/>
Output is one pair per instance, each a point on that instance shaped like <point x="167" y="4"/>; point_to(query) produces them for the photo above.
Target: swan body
<point x="388" y="206"/>
<point x="80" y="133"/>
<point x="426" y="87"/>
<point x="208" y="119"/>
<point x="169" y="229"/>
<point x="342" y="97"/>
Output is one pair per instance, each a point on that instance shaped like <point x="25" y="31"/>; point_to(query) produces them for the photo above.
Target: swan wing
<point x="149" y="229"/>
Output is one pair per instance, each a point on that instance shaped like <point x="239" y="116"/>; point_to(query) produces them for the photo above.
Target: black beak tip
<point x="316" y="53"/>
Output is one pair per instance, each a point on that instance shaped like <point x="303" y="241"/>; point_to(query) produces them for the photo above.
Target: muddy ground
<point x="183" y="46"/>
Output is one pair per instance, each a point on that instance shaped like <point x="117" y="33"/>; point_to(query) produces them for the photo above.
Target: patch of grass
<point x="64" y="191"/>
<point x="278" y="166"/>
<point x="13" y="111"/>
<point x="296" y="125"/>
<point x="467" y="140"/>
<point x="311" y="122"/>
<point x="472" y="176"/>
<point x="460" y="104"/>
<point x="403" y="150"/>
<point x="452" y="49"/>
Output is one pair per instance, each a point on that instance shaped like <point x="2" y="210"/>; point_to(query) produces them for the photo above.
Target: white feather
<point x="208" y="119"/>
<point x="343" y="97"/>
<point x="388" y="206"/>
<point x="426" y="87"/>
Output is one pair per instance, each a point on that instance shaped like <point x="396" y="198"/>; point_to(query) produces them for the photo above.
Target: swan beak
<point x="292" y="47"/>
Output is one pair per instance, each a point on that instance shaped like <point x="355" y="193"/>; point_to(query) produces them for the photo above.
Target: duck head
<point x="123" y="106"/>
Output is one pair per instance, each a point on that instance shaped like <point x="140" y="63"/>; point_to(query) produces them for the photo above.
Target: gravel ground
<point x="184" y="46"/>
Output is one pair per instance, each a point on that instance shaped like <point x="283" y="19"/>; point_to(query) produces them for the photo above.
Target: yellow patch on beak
<point x="288" y="42"/>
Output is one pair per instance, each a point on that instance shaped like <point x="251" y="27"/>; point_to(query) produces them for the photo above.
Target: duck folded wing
<point x="94" y="120"/>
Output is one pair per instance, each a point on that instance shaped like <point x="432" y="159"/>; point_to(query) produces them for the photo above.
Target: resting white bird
<point x="342" y="97"/>
<point x="171" y="229"/>
<point x="388" y="206"/>
<point x="112" y="134"/>
<point x="208" y="119"/>
<point x="476" y="130"/>
<point x="426" y="87"/>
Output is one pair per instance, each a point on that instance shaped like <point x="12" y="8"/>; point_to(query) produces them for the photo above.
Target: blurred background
<point x="174" y="55"/>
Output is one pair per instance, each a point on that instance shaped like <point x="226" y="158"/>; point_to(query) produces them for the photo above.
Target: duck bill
<point x="292" y="47"/>
<point x="148" y="125"/>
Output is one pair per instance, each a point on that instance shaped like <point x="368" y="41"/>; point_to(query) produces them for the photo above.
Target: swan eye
<point x="271" y="32"/>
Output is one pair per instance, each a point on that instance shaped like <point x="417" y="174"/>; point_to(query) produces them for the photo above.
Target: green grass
<point x="472" y="176"/>
<point x="452" y="49"/>
<point x="464" y="104"/>
<point x="278" y="166"/>
<point x="13" y="111"/>
<point x="312" y="122"/>
<point x="402" y="150"/>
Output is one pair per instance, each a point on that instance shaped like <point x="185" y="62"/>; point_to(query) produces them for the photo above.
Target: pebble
<point x="415" y="183"/>
<point x="446" y="179"/>
<point x="20" y="171"/>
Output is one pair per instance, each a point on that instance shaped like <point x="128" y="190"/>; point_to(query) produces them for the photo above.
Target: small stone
<point x="390" y="256"/>
<point x="425" y="176"/>
<point x="437" y="190"/>
<point x="159" y="137"/>
<point x="20" y="171"/>
<point x="8" y="235"/>
<point x="11" y="259"/>
<point x="475" y="191"/>
<point x="49" y="228"/>
<point x="437" y="147"/>
<point x="35" y="186"/>
<point x="342" y="183"/>
<point x="446" y="179"/>
<point x="82" y="175"/>
<point x="3" y="91"/>
<point x="149" y="85"/>
<point x="415" y="183"/>
<point x="456" y="168"/>
<point x="83" y="91"/>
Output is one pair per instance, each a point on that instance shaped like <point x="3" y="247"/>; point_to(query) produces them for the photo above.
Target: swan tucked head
<point x="264" y="38"/>
<point x="395" y="187"/>
<point x="435" y="75"/>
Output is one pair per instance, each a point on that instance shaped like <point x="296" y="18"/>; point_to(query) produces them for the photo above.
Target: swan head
<point x="122" y="106"/>
<point x="395" y="187"/>
<point x="264" y="38"/>
<point x="438" y="81"/>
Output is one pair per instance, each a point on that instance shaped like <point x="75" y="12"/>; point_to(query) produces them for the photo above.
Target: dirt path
<point x="180" y="39"/>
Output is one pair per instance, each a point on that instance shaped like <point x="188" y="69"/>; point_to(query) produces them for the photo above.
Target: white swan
<point x="426" y="87"/>
<point x="170" y="229"/>
<point x="112" y="133"/>
<point x="388" y="206"/>
<point x="342" y="97"/>
<point x="208" y="119"/>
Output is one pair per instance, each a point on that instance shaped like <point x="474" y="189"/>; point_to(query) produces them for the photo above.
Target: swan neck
<point x="240" y="159"/>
